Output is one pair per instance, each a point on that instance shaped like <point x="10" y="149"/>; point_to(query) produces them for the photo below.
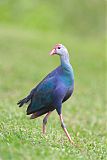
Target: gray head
<point x="60" y="50"/>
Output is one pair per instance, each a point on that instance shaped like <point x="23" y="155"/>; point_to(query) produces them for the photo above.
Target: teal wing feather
<point x="42" y="96"/>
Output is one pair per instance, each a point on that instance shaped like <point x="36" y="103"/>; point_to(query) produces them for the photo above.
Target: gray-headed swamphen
<point x="52" y="91"/>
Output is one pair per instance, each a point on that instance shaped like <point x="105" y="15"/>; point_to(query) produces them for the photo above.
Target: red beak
<point x="52" y="52"/>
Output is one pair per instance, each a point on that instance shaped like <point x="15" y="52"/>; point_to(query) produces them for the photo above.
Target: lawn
<point x="24" y="61"/>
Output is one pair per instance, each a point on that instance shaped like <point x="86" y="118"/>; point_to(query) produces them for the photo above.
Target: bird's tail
<point x="24" y="101"/>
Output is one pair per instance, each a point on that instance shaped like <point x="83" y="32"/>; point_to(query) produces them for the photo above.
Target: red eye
<point x="59" y="47"/>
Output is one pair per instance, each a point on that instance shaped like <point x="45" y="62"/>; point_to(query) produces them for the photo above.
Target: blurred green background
<point x="74" y="17"/>
<point x="28" y="31"/>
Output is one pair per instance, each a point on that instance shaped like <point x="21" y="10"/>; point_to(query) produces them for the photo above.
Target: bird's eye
<point x="59" y="47"/>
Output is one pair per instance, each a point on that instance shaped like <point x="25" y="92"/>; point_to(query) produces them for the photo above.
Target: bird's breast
<point x="68" y="94"/>
<point x="67" y="80"/>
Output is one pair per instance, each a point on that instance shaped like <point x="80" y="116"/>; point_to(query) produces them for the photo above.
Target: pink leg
<point x="45" y="121"/>
<point x="64" y="128"/>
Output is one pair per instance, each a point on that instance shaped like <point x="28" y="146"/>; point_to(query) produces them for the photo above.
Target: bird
<point x="52" y="91"/>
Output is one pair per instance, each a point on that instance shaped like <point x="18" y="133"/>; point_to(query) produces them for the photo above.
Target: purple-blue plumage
<point x="54" y="89"/>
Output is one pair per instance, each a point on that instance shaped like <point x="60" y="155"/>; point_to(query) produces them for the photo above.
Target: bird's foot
<point x="71" y="141"/>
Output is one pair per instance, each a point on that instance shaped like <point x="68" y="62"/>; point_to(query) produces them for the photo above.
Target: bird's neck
<point x="65" y="64"/>
<point x="68" y="75"/>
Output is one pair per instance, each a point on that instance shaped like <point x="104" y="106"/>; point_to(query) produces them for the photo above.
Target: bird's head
<point x="60" y="50"/>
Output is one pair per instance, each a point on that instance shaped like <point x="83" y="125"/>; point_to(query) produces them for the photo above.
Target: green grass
<point x="27" y="34"/>
<point x="24" y="62"/>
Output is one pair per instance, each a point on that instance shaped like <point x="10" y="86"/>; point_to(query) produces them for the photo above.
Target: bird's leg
<point x="45" y="121"/>
<point x="64" y="128"/>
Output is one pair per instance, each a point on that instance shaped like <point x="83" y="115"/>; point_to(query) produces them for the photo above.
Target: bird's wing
<point x="42" y="95"/>
<point x="42" y="83"/>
